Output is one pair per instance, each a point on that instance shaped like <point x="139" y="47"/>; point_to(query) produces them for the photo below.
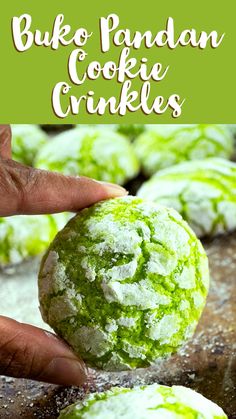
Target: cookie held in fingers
<point x="124" y="283"/>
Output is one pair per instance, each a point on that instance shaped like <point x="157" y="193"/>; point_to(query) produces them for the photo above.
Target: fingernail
<point x="65" y="371"/>
<point x="113" y="188"/>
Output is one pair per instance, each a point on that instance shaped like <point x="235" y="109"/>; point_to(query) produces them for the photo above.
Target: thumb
<point x="29" y="352"/>
<point x="24" y="190"/>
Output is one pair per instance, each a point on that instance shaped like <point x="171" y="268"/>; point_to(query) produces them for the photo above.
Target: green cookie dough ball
<point x="124" y="283"/>
<point x="26" y="142"/>
<point x="165" y="145"/>
<point x="94" y="152"/>
<point x="24" y="236"/>
<point x="145" y="402"/>
<point x="203" y="192"/>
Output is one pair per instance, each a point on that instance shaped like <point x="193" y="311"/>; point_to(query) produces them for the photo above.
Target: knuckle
<point x="31" y="180"/>
<point x="17" y="181"/>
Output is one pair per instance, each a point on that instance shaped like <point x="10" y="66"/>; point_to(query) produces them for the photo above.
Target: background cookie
<point x="146" y="402"/>
<point x="130" y="131"/>
<point x="24" y="236"/>
<point x="98" y="153"/>
<point x="165" y="145"/>
<point x="26" y="142"/>
<point x="203" y="192"/>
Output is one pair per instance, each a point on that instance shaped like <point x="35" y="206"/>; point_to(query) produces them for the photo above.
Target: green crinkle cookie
<point x="145" y="402"/>
<point x="231" y="128"/>
<point x="165" y="145"/>
<point x="204" y="193"/>
<point x="94" y="152"/>
<point x="124" y="283"/>
<point x="26" y="142"/>
<point x="130" y="131"/>
<point x="24" y="236"/>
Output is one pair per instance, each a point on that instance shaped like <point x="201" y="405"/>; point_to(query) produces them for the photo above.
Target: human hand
<point x="26" y="351"/>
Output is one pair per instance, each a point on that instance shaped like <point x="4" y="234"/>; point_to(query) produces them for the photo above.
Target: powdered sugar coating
<point x="131" y="266"/>
<point x="204" y="192"/>
<point x="27" y="140"/>
<point x="95" y="152"/>
<point x="130" y="131"/>
<point x="162" y="146"/>
<point x="146" y="402"/>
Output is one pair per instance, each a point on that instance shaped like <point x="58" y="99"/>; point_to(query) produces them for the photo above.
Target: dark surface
<point x="54" y="129"/>
<point x="207" y="363"/>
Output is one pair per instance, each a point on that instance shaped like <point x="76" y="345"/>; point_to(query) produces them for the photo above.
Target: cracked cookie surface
<point x="145" y="402"/>
<point x="203" y="192"/>
<point x="124" y="283"/>
<point x="94" y="152"/>
<point x="25" y="236"/>
<point x="26" y="142"/>
<point x="165" y="145"/>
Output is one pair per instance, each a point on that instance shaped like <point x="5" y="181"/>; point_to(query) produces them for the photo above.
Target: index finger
<point x="5" y="141"/>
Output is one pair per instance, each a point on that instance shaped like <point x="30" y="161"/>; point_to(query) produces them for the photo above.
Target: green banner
<point x="112" y="62"/>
